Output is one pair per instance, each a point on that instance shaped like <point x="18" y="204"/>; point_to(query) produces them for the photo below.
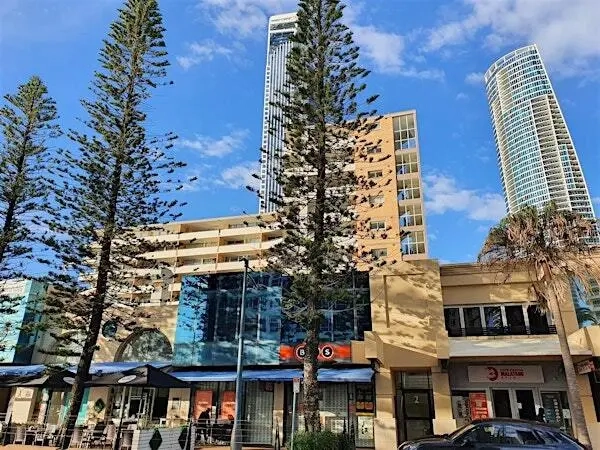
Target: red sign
<point x="327" y="352"/>
<point x="478" y="405"/>
<point x="202" y="402"/>
<point x="227" y="405"/>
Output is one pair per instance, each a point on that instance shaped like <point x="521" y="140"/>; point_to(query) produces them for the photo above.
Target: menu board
<point x="478" y="405"/>
<point x="227" y="405"/>
<point x="552" y="407"/>
<point x="202" y="402"/>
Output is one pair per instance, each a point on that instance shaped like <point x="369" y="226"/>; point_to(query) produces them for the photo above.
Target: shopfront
<point x="414" y="405"/>
<point x="519" y="390"/>
<point x="344" y="407"/>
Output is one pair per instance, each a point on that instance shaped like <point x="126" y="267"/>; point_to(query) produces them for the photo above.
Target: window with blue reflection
<point x="208" y="315"/>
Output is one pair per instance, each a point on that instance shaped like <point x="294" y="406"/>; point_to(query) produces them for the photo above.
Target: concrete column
<point x="589" y="411"/>
<point x="278" y="411"/>
<point x="385" y="419"/>
<point x="442" y="403"/>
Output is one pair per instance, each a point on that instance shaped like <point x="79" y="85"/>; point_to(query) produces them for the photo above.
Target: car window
<point x="548" y="438"/>
<point x="485" y="433"/>
<point x="520" y="435"/>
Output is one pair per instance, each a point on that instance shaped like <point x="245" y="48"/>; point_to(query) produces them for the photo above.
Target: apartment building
<point x="537" y="158"/>
<point x="392" y="210"/>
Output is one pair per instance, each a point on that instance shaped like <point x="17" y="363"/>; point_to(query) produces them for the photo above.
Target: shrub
<point x="325" y="440"/>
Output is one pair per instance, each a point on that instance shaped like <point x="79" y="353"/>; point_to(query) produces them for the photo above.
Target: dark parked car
<point x="498" y="434"/>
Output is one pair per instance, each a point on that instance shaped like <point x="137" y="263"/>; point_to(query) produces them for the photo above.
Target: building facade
<point x="280" y="28"/>
<point x="420" y="349"/>
<point x="391" y="209"/>
<point x="21" y="304"/>
<point x="537" y="157"/>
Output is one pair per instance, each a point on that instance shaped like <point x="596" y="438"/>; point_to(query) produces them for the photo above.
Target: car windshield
<point x="460" y="431"/>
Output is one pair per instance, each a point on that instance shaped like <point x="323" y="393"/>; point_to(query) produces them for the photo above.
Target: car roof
<point x="516" y="421"/>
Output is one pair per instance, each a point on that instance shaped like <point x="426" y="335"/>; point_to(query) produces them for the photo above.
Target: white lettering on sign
<point x="506" y="374"/>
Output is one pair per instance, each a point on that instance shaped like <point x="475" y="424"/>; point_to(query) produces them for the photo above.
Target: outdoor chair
<point x="127" y="440"/>
<point x="20" y="435"/>
<point x="76" y="437"/>
<point x="109" y="435"/>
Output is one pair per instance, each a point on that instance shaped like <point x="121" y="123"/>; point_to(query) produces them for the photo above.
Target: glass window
<point x="377" y="225"/>
<point x="375" y="174"/>
<point x="379" y="253"/>
<point x="473" y="325"/>
<point x="493" y="319"/>
<point x="146" y="345"/>
<point x="483" y="434"/>
<point x="515" y="320"/>
<point x="452" y="317"/>
<point x="538" y="322"/>
<point x="520" y="435"/>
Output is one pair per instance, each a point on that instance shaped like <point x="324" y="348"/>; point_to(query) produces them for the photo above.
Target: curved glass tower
<point x="281" y="28"/>
<point x="537" y="158"/>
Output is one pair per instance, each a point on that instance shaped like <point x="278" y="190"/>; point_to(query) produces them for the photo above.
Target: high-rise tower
<point x="537" y="158"/>
<point x="281" y="27"/>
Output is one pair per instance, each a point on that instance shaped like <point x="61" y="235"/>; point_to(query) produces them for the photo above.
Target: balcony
<point x="519" y="330"/>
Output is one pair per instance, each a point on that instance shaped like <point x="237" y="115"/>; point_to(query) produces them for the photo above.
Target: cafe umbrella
<point x="142" y="376"/>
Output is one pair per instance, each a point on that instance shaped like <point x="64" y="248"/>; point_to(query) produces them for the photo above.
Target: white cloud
<point x="383" y="49"/>
<point x="474" y="78"/>
<point x="218" y="147"/>
<point x="442" y="194"/>
<point x="244" y="17"/>
<point x="206" y="50"/>
<point x="566" y="33"/>
<point x="596" y="200"/>
<point x="240" y="176"/>
<point x="461" y="96"/>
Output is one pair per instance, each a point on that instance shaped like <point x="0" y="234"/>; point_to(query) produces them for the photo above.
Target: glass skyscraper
<point x="536" y="155"/>
<point x="281" y="27"/>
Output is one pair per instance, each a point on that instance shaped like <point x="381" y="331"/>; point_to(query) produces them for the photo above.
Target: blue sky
<point x="425" y="55"/>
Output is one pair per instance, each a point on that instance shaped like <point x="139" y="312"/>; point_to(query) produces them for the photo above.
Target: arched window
<point x="149" y="345"/>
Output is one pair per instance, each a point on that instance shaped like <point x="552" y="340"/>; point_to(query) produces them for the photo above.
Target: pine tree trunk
<point x="578" y="419"/>
<point x="95" y="323"/>
<point x="311" y="386"/>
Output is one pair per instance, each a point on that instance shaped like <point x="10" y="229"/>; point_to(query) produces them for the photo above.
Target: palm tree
<point x="553" y="247"/>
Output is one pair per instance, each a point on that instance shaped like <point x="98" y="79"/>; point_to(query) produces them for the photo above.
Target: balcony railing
<point x="515" y="330"/>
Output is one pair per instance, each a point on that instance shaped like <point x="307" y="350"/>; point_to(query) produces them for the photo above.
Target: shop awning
<point x="353" y="375"/>
<point x="21" y="371"/>
<point x="145" y="375"/>
<point x="105" y="368"/>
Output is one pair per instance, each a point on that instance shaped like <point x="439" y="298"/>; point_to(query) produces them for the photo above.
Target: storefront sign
<point x="584" y="367"/>
<point x="328" y="352"/>
<point x="202" y="402"/>
<point x="228" y="405"/>
<point x="478" y="405"/>
<point x="365" y="428"/>
<point x="506" y="374"/>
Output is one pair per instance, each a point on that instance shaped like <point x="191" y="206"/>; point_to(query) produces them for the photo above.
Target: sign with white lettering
<point x="506" y="374"/>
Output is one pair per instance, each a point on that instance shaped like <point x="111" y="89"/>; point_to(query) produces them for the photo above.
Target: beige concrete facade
<point x="391" y="209"/>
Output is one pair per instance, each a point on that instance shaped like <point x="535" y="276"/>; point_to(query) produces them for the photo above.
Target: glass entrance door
<point x="414" y="406"/>
<point x="501" y="401"/>
<point x="525" y="404"/>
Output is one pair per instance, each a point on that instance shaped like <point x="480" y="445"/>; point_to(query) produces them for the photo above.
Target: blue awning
<point x="21" y="371"/>
<point x="350" y="375"/>
<point x="204" y="376"/>
<point x="106" y="368"/>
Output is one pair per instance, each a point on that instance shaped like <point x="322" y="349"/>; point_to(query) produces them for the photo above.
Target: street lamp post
<point x="236" y="434"/>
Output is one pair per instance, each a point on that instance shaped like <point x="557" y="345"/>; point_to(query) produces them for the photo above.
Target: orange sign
<point x="478" y="405"/>
<point x="202" y="402"/>
<point x="227" y="405"/>
<point x="328" y="351"/>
